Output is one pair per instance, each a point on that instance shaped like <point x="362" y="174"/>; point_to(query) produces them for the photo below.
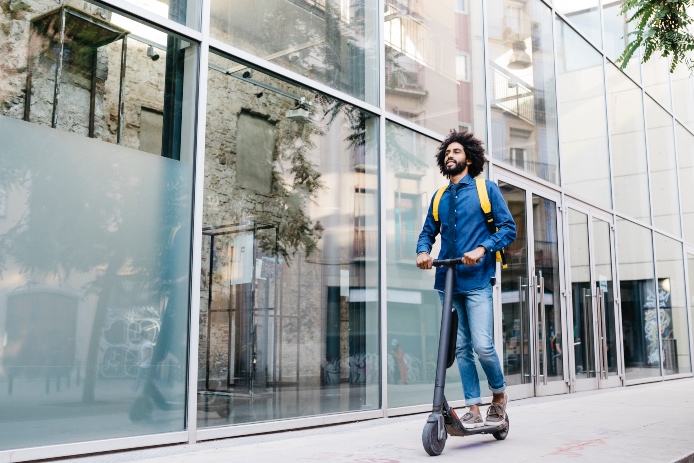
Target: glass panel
<point x="656" y="79"/>
<point x="547" y="269"/>
<point x="616" y="38"/>
<point x="414" y="308"/>
<point x="685" y="157"/>
<point x="94" y="237"/>
<point x="690" y="272"/>
<point x="661" y="151"/>
<point x="186" y="12"/>
<point x="434" y="64"/>
<point x="672" y="304"/>
<point x="105" y="58"/>
<point x="683" y="93"/>
<point x="521" y="69"/>
<point x="582" y="124"/>
<point x="515" y="296"/>
<point x="602" y="255"/>
<point x="581" y="297"/>
<point x="331" y="41"/>
<point x="289" y="288"/>
<point x="628" y="145"/>
<point x="584" y="15"/>
<point x="637" y="289"/>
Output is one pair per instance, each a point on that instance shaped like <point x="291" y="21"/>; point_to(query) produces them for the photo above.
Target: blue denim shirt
<point x="470" y="219"/>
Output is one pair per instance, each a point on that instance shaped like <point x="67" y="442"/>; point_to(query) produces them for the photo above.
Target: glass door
<point x="592" y="317"/>
<point x="532" y="325"/>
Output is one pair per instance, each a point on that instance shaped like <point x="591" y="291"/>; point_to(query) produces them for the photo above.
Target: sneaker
<point x="496" y="414"/>
<point x="471" y="421"/>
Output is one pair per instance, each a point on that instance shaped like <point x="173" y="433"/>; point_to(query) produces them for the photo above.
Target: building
<point x="209" y="210"/>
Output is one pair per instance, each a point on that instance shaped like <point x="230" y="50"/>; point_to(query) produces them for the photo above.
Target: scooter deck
<point x="455" y="428"/>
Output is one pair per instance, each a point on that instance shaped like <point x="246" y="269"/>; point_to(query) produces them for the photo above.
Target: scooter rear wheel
<point x="501" y="435"/>
<point x="430" y="439"/>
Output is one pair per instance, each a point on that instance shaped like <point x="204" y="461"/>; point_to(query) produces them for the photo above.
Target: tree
<point x="661" y="25"/>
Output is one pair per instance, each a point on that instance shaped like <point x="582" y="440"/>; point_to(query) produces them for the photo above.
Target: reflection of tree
<point x="91" y="214"/>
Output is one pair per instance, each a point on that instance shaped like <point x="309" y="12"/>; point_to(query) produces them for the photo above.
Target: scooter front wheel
<point x="430" y="439"/>
<point x="501" y="435"/>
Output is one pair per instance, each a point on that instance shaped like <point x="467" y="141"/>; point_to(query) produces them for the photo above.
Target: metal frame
<point x="531" y="185"/>
<point x="532" y="188"/>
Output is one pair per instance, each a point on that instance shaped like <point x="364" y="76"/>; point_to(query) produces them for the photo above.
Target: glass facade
<point x="582" y="118"/>
<point x="208" y="224"/>
<point x="523" y="99"/>
<point x="95" y="228"/>
<point x="288" y="294"/>
<point x="413" y="307"/>
<point x="434" y="72"/>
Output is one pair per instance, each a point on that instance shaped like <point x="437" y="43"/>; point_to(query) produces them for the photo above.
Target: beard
<point x="455" y="170"/>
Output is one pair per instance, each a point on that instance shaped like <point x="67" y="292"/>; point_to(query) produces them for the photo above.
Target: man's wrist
<point x="422" y="252"/>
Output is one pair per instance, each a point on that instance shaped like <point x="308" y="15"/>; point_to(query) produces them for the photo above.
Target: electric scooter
<point x="443" y="420"/>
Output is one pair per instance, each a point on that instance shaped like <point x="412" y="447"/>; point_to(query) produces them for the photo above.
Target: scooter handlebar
<point x="447" y="262"/>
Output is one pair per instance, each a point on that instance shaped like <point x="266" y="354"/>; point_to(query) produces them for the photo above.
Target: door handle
<point x="544" y="328"/>
<point x="534" y="319"/>
<point x="603" y="333"/>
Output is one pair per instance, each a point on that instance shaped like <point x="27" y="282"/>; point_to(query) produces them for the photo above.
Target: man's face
<point x="455" y="161"/>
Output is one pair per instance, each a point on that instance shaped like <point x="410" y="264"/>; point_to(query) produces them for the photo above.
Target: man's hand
<point x="473" y="257"/>
<point x="424" y="261"/>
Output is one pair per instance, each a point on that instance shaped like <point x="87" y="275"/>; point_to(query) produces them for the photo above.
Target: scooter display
<point x="443" y="420"/>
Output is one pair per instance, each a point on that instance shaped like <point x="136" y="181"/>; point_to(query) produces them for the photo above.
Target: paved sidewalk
<point x="648" y="423"/>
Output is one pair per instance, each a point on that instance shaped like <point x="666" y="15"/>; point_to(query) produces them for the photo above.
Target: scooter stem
<point x="443" y="340"/>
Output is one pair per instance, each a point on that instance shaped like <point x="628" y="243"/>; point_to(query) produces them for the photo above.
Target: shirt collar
<point x="463" y="181"/>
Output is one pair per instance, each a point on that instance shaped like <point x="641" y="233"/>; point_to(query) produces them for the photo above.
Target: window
<point x="461" y="6"/>
<point x="462" y="67"/>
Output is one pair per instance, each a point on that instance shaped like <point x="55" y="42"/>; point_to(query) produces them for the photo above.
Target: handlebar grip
<point x="447" y="262"/>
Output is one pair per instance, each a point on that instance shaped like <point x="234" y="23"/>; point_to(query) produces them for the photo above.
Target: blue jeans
<point x="475" y="332"/>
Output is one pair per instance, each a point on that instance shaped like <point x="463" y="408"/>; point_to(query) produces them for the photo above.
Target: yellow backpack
<point x="486" y="210"/>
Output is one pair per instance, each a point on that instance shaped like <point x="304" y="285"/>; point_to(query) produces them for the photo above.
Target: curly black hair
<point x="474" y="152"/>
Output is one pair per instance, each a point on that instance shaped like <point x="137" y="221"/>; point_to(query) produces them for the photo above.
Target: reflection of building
<point x="118" y="308"/>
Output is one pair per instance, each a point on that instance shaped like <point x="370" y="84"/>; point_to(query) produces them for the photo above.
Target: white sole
<point x="473" y="426"/>
<point x="495" y="423"/>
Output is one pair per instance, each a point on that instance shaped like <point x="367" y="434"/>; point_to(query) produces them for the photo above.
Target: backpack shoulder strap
<point x="437" y="200"/>
<point x="485" y="204"/>
<point x="488" y="215"/>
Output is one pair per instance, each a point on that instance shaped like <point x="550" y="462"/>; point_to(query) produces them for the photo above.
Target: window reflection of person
<point x="145" y="360"/>
<point x="399" y="357"/>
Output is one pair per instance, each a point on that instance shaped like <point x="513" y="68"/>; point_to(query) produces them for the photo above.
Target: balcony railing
<point x="512" y="95"/>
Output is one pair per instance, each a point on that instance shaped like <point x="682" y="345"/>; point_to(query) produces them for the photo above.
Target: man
<point x="464" y="232"/>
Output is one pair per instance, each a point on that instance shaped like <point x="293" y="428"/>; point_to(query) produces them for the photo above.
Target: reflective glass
<point x="516" y="295"/>
<point x="656" y="79"/>
<point x="602" y="254"/>
<point x="581" y="296"/>
<point x="523" y="101"/>
<point x="289" y="286"/>
<point x="685" y="158"/>
<point x="546" y="265"/>
<point x="683" y="95"/>
<point x="95" y="226"/>
<point x="331" y="41"/>
<point x="672" y="304"/>
<point x="434" y="64"/>
<point x="690" y="274"/>
<point x="628" y="145"/>
<point x="582" y="119"/>
<point x="414" y="308"/>
<point x="584" y="15"/>
<point x="186" y="12"/>
<point x="661" y="152"/>
<point x="638" y="301"/>
<point x="616" y="39"/>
